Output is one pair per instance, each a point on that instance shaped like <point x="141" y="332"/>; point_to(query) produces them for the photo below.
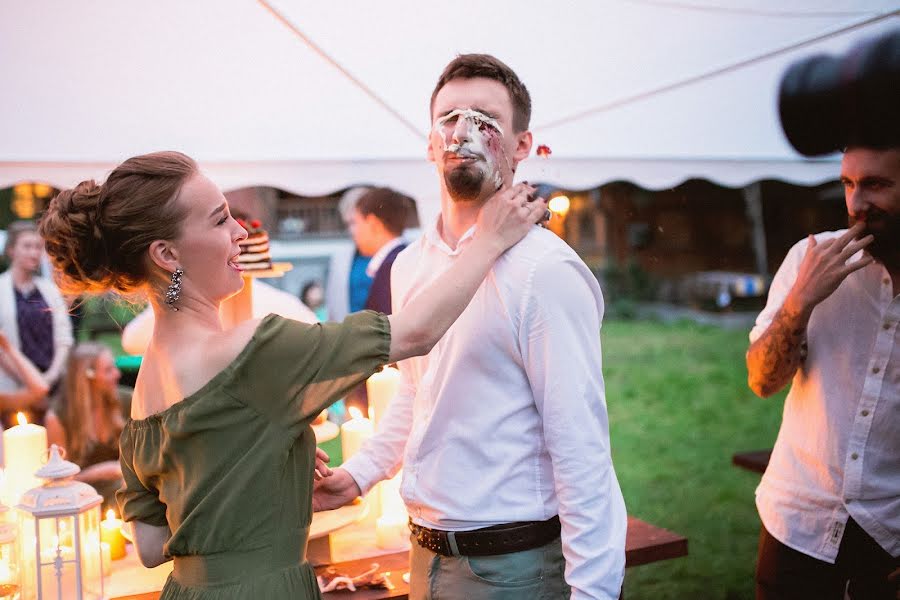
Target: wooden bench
<point x="644" y="544"/>
<point x="756" y="460"/>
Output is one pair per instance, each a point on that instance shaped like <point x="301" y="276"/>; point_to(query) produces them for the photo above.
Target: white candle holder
<point x="59" y="524"/>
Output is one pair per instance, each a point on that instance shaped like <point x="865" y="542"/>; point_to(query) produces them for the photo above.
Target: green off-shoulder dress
<point x="229" y="469"/>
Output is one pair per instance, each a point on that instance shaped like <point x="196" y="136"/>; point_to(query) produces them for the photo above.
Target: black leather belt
<point x="499" y="539"/>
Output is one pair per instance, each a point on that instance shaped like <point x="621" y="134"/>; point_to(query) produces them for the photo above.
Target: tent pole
<point x="753" y="202"/>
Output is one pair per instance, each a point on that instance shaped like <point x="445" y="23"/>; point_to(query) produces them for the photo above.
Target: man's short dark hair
<point x="389" y="206"/>
<point x="469" y="66"/>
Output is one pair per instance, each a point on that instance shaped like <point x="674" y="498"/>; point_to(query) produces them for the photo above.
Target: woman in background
<point x="33" y="315"/>
<point x="85" y="418"/>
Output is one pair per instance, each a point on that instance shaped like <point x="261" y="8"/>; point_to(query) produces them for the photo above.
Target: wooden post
<point x="753" y="202"/>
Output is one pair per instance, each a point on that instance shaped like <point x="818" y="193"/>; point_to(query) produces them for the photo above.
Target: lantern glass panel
<point x="9" y="568"/>
<point x="91" y="567"/>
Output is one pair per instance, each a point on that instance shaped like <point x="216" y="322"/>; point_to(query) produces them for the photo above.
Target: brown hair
<point x="14" y="231"/>
<point x="389" y="206"/>
<point x="97" y="235"/>
<point x="75" y="406"/>
<point x="469" y="66"/>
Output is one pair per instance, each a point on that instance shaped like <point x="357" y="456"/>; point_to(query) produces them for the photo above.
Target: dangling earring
<point x="173" y="292"/>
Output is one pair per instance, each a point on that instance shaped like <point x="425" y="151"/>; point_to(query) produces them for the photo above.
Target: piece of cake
<point x="254" y="254"/>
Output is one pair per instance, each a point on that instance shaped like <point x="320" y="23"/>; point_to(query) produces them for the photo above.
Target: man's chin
<point x="465" y="183"/>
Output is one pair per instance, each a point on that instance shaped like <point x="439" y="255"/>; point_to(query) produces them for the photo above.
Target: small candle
<point x="106" y="558"/>
<point x="111" y="533"/>
<point x="381" y="389"/>
<point x="354" y="432"/>
<point x="23" y="450"/>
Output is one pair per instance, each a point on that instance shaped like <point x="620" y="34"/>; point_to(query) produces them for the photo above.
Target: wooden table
<point x="644" y="544"/>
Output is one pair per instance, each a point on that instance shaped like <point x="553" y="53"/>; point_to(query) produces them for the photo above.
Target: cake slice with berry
<point x="254" y="254"/>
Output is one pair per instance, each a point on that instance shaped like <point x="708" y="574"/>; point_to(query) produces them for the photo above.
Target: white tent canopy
<point x="314" y="97"/>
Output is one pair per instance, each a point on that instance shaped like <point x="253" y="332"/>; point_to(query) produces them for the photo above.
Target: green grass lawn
<point x="679" y="407"/>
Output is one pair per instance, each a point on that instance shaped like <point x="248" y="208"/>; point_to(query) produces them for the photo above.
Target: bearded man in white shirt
<point x="830" y="498"/>
<point x="502" y="429"/>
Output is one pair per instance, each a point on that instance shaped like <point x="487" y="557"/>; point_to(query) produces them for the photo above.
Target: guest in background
<point x="347" y="285"/>
<point x="377" y="224"/>
<point x="86" y="419"/>
<point x="313" y="296"/>
<point x="33" y="315"/>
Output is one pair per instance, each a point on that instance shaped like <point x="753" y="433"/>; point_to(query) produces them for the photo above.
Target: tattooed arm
<point x="773" y="359"/>
<point x="775" y="356"/>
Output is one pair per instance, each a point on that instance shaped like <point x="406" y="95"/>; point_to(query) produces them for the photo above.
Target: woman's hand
<point x="4" y="342"/>
<point x="510" y="214"/>
<point x="322" y="469"/>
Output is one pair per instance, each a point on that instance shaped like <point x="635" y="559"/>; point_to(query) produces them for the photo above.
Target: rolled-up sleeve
<point x="560" y="340"/>
<point x="382" y="455"/>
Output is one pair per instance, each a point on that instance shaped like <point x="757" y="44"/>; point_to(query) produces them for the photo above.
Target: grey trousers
<point x="536" y="574"/>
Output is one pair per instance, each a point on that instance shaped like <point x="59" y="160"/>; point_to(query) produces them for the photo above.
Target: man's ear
<point x="164" y="255"/>
<point x="429" y="152"/>
<point x="523" y="146"/>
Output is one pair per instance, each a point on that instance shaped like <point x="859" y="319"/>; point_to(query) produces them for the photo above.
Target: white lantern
<point x="59" y="524"/>
<point x="9" y="558"/>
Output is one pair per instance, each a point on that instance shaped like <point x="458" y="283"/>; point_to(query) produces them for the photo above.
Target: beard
<point x="465" y="182"/>
<point x="884" y="227"/>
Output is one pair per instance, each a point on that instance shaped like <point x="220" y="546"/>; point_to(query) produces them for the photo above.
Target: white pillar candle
<point x="381" y="389"/>
<point x="391" y="533"/>
<point x="354" y="432"/>
<point x="23" y="449"/>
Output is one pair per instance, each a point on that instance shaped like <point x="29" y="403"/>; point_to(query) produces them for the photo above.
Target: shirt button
<point x="865" y="413"/>
<point x="854" y="456"/>
<point x="886" y="326"/>
<point x="876" y="370"/>
<point x="885" y="281"/>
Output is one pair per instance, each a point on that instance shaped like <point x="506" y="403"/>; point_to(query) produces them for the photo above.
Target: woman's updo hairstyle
<point x="97" y="235"/>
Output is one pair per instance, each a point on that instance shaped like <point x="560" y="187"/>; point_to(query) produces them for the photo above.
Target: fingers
<point x="322" y="470"/>
<point x="856" y="245"/>
<point x="862" y="263"/>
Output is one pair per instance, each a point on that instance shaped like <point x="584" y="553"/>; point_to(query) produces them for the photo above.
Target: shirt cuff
<point x="363" y="471"/>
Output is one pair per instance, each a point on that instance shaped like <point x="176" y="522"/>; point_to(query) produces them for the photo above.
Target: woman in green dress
<point x="219" y="457"/>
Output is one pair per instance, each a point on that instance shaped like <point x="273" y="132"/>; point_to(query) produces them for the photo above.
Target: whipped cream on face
<point x="482" y="140"/>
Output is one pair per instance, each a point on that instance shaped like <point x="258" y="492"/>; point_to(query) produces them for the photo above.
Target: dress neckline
<point x="213" y="381"/>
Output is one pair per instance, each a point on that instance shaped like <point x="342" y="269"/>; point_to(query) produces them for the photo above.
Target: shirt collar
<point x="433" y="236"/>
<point x="378" y="258"/>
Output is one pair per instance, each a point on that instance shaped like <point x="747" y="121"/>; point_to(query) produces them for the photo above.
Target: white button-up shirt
<point x="505" y="420"/>
<point x="838" y="450"/>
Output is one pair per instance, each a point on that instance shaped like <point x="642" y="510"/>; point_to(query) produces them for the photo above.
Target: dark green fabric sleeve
<point x="137" y="500"/>
<point x="294" y="370"/>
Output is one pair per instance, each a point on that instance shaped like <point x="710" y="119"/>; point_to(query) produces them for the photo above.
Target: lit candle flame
<point x="355" y="413"/>
<point x="110" y="515"/>
<point x="21" y="418"/>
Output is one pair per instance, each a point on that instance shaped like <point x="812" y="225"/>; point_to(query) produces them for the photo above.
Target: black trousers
<point x="783" y="573"/>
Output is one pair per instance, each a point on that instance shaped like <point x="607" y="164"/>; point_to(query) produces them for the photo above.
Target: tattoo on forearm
<point x="773" y="359"/>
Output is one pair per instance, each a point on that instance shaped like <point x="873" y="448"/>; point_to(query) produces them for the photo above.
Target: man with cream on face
<point x="502" y="429"/>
